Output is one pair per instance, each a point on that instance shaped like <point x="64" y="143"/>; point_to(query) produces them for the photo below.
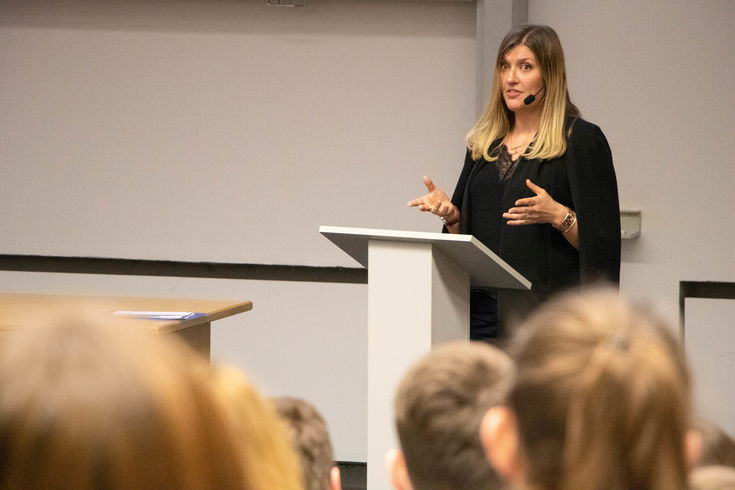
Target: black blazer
<point x="582" y="179"/>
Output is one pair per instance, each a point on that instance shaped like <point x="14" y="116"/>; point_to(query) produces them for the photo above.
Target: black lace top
<point x="505" y="164"/>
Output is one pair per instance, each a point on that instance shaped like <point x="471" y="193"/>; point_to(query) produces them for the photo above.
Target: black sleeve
<point x="460" y="190"/>
<point x="595" y="195"/>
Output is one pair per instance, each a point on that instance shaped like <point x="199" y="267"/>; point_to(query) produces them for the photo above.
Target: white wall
<point x="710" y="347"/>
<point x="225" y="131"/>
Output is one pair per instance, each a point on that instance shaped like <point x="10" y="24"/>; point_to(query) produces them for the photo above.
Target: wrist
<point x="560" y="216"/>
<point x="452" y="219"/>
<point x="570" y="219"/>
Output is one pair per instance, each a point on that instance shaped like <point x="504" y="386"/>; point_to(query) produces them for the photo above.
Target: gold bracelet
<point x="567" y="223"/>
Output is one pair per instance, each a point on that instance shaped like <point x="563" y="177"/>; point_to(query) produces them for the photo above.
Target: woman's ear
<point x="335" y="479"/>
<point x="693" y="448"/>
<point x="397" y="470"/>
<point x="499" y="436"/>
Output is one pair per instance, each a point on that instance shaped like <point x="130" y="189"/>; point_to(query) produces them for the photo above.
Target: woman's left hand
<point x="540" y="208"/>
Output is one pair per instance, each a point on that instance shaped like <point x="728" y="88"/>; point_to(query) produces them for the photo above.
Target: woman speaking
<point x="538" y="185"/>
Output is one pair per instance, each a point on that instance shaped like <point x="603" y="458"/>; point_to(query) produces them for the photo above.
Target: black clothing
<point x="582" y="179"/>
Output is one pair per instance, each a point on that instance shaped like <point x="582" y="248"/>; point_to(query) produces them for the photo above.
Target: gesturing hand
<point x="538" y="209"/>
<point x="437" y="202"/>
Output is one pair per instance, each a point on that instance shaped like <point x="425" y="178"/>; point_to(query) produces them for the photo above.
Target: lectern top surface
<point x="485" y="267"/>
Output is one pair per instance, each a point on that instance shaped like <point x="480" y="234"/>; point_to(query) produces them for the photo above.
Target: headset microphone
<point x="529" y="100"/>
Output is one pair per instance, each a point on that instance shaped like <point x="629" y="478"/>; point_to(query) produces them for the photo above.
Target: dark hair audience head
<point x="717" y="447"/>
<point x="310" y="437"/>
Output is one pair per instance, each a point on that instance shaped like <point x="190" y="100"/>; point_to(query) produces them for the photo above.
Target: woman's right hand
<point x="437" y="202"/>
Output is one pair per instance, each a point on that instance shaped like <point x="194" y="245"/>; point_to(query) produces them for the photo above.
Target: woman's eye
<point x="526" y="66"/>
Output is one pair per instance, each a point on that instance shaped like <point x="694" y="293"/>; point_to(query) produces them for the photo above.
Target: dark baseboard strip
<point x="354" y="475"/>
<point x="211" y="270"/>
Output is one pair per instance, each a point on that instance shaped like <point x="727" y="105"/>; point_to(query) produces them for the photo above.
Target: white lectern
<point x="418" y="296"/>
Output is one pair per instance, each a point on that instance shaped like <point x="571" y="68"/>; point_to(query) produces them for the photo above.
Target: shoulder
<point x="582" y="129"/>
<point x="587" y="138"/>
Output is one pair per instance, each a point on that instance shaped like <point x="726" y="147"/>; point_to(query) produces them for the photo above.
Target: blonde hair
<point x="601" y="396"/>
<point x="87" y="407"/>
<point x="439" y="407"/>
<point x="267" y="448"/>
<point x="497" y="120"/>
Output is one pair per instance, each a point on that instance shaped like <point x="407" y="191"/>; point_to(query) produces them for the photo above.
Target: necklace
<point x="517" y="148"/>
<point x="514" y="149"/>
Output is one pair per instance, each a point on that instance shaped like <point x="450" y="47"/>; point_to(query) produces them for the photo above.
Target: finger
<point x="429" y="184"/>
<point x="536" y="189"/>
<point x="413" y="203"/>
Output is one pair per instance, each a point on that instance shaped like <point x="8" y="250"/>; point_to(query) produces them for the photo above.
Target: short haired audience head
<point x="87" y="407"/>
<point x="718" y="448"/>
<point x="600" y="400"/>
<point x="310" y="437"/>
<point x="439" y="405"/>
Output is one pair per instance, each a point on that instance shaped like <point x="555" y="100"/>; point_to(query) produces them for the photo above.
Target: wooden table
<point x="18" y="310"/>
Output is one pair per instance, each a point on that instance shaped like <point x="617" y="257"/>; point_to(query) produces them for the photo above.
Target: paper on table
<point x="157" y="315"/>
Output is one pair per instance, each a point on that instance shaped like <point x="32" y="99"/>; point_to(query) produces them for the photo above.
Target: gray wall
<point x="226" y="131"/>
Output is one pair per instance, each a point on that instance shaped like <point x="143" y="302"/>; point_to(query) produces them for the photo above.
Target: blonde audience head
<point x="438" y="406"/>
<point x="88" y="407"/>
<point x="600" y="400"/>
<point x="266" y="449"/>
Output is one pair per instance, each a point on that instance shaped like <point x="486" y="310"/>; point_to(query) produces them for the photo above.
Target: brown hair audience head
<point x="718" y="448"/>
<point x="439" y="405"/>
<point x="89" y="407"/>
<point x="601" y="400"/>
<point x="310" y="437"/>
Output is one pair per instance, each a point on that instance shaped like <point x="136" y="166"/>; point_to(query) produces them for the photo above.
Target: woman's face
<point x="521" y="77"/>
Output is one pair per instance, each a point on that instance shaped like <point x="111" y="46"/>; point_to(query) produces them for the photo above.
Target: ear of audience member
<point x="310" y="437"/>
<point x="88" y="407"/>
<point x="439" y="405"/>
<point x="717" y="447"/>
<point x="600" y="400"/>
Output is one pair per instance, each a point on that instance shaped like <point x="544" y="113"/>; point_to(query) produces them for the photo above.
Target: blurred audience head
<point x="600" y="400"/>
<point x="266" y="444"/>
<point x="310" y="437"/>
<point x="438" y="406"/>
<point x="84" y="406"/>
<point x="717" y="447"/>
